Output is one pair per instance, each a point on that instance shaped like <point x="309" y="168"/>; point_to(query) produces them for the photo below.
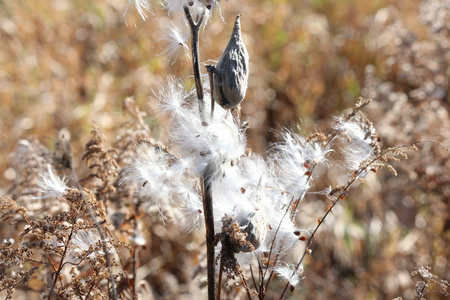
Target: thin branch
<point x="284" y="291"/>
<point x="253" y="277"/>
<point x="274" y="238"/>
<point x="219" y="283"/>
<point x="340" y="197"/>
<point x="422" y="292"/>
<point x="61" y="264"/>
<point x="90" y="290"/>
<point x="37" y="261"/>
<point x="247" y="289"/>
<point x="135" y="259"/>
<point x="261" y="281"/>
<point x="211" y="69"/>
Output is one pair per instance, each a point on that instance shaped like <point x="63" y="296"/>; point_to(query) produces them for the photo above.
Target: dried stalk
<point x="219" y="284"/>
<point x="209" y="224"/>
<point x="206" y="186"/>
<point x="195" y="27"/>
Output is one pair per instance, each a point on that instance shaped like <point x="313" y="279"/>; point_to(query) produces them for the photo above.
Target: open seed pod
<point x="254" y="223"/>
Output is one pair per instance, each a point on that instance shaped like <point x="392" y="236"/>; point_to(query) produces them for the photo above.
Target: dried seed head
<point x="231" y="72"/>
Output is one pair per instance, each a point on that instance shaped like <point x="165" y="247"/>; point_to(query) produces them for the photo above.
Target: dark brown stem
<point x="206" y="186"/>
<point x="90" y="290"/>
<point x="61" y="265"/>
<point x="247" y="289"/>
<point x="209" y="224"/>
<point x="195" y="27"/>
<point x="253" y="278"/>
<point x="261" y="275"/>
<point x="135" y="258"/>
<point x="422" y="292"/>
<point x="219" y="283"/>
<point x="211" y="70"/>
<point x="284" y="291"/>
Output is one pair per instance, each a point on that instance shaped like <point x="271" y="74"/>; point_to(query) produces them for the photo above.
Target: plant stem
<point x="219" y="283"/>
<point x="195" y="27"/>
<point x="211" y="69"/>
<point x="245" y="284"/>
<point x="209" y="224"/>
<point x="205" y="180"/>
<point x="135" y="258"/>
<point x="422" y="292"/>
<point x="61" y="265"/>
<point x="253" y="278"/>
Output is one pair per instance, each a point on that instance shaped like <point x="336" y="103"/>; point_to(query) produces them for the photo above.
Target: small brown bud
<point x="231" y="72"/>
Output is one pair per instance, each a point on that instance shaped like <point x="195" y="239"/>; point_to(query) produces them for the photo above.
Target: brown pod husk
<point x="231" y="73"/>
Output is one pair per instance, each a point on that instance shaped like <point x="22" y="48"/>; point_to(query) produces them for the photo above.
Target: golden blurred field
<point x="67" y="64"/>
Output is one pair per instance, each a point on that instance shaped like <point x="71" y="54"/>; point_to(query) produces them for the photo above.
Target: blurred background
<point x="66" y="64"/>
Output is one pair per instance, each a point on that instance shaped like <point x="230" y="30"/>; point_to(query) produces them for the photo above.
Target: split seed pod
<point x="254" y="223"/>
<point x="231" y="73"/>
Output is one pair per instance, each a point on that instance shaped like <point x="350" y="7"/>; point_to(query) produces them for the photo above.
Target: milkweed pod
<point x="231" y="72"/>
<point x="254" y="223"/>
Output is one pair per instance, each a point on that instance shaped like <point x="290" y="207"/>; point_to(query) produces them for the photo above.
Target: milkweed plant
<point x="85" y="235"/>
